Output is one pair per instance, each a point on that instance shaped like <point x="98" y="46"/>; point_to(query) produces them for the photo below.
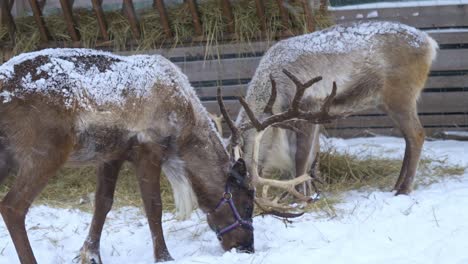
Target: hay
<point x="246" y="25"/>
<point x="340" y="172"/>
<point x="75" y="188"/>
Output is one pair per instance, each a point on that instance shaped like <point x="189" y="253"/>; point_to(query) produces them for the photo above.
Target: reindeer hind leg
<point x="107" y="174"/>
<point x="406" y="118"/>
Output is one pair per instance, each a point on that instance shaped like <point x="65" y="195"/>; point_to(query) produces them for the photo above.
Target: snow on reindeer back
<point x="340" y="39"/>
<point x="86" y="77"/>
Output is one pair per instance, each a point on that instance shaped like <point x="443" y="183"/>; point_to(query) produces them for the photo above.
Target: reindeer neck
<point x="207" y="163"/>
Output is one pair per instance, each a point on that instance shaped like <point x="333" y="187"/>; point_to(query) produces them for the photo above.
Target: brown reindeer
<point x="380" y="65"/>
<point x="80" y="107"/>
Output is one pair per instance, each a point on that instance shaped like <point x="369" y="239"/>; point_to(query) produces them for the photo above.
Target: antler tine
<point x="269" y="107"/>
<point x="300" y="88"/>
<point x="250" y="114"/>
<point x="227" y="118"/>
<point x="329" y="99"/>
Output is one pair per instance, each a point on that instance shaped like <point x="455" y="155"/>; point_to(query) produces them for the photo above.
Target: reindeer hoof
<point x="89" y="257"/>
<point x="403" y="191"/>
<point x="164" y="257"/>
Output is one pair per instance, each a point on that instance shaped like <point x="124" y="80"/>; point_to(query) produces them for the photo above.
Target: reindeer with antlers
<point x="82" y="107"/>
<point x="380" y="65"/>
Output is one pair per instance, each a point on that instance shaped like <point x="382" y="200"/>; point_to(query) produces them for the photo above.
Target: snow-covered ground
<point x="429" y="226"/>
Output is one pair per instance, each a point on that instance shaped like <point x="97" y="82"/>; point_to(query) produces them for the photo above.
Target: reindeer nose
<point x="248" y="248"/>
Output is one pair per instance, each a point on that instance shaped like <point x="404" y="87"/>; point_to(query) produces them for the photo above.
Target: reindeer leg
<point x="148" y="170"/>
<point x="32" y="177"/>
<point x="407" y="120"/>
<point x="107" y="174"/>
<point x="307" y="148"/>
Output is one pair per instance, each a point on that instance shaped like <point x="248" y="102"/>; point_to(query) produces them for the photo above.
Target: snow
<point x="429" y="226"/>
<point x="400" y="4"/>
<point x="373" y="14"/>
<point x="99" y="78"/>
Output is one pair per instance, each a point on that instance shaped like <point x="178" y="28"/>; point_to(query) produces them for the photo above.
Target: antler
<point x="281" y="120"/>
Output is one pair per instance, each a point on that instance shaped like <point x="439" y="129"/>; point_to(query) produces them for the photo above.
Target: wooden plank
<point x="97" y="7"/>
<point x="227" y="13"/>
<point x="68" y="15"/>
<point x="385" y="121"/>
<point x="244" y="68"/>
<point x="195" y="17"/>
<point x="203" y="50"/>
<point x="232" y="107"/>
<point x="261" y="14"/>
<point x="349" y="133"/>
<point x="438" y="82"/>
<point x="447" y="81"/>
<point x="7" y="19"/>
<point x="449" y="36"/>
<point x="37" y="11"/>
<point x="129" y="11"/>
<point x="219" y="69"/>
<point x="229" y="90"/>
<point x="159" y="5"/>
<point x="448" y="102"/>
<point x="418" y="16"/>
<point x="451" y="60"/>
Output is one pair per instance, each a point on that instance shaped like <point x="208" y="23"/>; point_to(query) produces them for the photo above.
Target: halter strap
<point x="227" y="198"/>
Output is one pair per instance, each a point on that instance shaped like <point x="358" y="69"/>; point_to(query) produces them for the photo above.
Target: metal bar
<point x="97" y="6"/>
<point x="68" y="15"/>
<point x="310" y="25"/>
<point x="129" y="11"/>
<point x="159" y="5"/>
<point x="261" y="14"/>
<point x="37" y="11"/>
<point x="227" y="13"/>
<point x="195" y="17"/>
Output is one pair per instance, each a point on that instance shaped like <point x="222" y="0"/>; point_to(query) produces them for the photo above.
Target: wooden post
<point x="7" y="19"/>
<point x="284" y="18"/>
<point x="10" y="5"/>
<point x="195" y="17"/>
<point x="323" y="6"/>
<point x="261" y="14"/>
<point x="310" y="25"/>
<point x="97" y="6"/>
<point x="129" y="11"/>
<point x="227" y="13"/>
<point x="68" y="15"/>
<point x="37" y="11"/>
<point x="159" y="5"/>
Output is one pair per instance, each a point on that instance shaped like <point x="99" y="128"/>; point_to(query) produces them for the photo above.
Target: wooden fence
<point x="443" y="104"/>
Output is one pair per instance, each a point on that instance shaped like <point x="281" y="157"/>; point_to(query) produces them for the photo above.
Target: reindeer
<point x="79" y="107"/>
<point x="381" y="65"/>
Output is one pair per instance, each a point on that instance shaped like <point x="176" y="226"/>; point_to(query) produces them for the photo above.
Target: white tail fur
<point x="184" y="197"/>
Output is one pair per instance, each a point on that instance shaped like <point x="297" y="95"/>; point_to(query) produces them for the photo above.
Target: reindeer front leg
<point x="107" y="174"/>
<point x="148" y="169"/>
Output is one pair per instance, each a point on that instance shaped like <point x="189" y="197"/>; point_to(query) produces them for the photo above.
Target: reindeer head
<point x="232" y="217"/>
<point x="282" y="120"/>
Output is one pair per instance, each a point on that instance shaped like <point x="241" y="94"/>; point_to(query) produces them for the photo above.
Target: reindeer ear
<point x="238" y="172"/>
